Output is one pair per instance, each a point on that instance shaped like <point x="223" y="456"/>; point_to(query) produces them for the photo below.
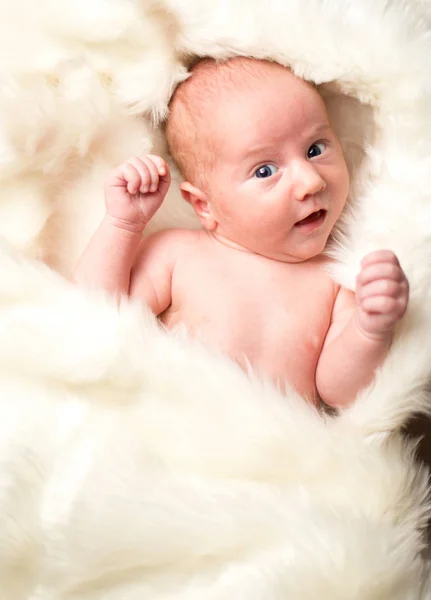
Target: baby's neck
<point x="227" y="242"/>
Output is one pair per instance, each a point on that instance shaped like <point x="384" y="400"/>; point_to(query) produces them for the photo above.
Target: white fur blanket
<point x="139" y="465"/>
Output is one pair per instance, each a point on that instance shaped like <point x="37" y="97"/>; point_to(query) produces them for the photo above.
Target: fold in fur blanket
<point x="137" y="464"/>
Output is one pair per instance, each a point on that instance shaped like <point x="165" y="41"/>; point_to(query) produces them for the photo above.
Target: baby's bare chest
<point x="271" y="314"/>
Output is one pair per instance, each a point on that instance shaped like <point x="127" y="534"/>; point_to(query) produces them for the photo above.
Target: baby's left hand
<point x="382" y="294"/>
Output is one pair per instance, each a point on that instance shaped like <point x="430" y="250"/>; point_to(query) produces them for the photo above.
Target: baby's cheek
<point x="342" y="179"/>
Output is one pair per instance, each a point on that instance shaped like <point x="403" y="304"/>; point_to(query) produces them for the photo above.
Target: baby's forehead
<point x="213" y="87"/>
<point x="211" y="80"/>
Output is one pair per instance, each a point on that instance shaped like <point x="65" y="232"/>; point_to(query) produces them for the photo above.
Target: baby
<point x="265" y="174"/>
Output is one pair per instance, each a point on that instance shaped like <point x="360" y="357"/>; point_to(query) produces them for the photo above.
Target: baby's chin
<point x="290" y="253"/>
<point x="303" y="252"/>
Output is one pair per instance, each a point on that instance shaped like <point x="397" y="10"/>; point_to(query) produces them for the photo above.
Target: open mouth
<point x="315" y="218"/>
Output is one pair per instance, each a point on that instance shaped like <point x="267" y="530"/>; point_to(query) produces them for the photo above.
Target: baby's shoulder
<point x="165" y="248"/>
<point x="171" y="240"/>
<point x="321" y="280"/>
<point x="320" y="267"/>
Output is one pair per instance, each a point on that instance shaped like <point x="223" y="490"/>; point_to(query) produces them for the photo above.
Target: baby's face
<point x="280" y="180"/>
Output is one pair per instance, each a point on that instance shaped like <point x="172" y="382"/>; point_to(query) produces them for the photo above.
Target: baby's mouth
<point x="316" y="217"/>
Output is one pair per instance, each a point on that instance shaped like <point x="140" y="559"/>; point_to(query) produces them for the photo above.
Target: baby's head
<point x="262" y="166"/>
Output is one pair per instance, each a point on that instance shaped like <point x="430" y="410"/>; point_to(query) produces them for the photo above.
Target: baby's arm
<point x="133" y="193"/>
<point x="360" y="335"/>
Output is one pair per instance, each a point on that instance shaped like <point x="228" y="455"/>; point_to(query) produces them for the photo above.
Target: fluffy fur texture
<point x="139" y="465"/>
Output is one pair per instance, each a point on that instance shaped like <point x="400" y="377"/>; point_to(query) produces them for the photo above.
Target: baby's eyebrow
<point x="270" y="150"/>
<point x="320" y="129"/>
<point x="259" y="149"/>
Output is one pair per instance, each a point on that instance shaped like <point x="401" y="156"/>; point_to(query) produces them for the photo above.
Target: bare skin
<point x="224" y="305"/>
<point x="252" y="282"/>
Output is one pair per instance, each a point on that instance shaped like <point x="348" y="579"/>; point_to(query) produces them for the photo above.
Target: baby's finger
<point x="144" y="173"/>
<point x="380" y="305"/>
<point x="153" y="183"/>
<point x="378" y="324"/>
<point x="381" y="287"/>
<point x="132" y="177"/>
<point x="379" y="256"/>
<point x="161" y="165"/>
<point x="148" y="173"/>
<point x="381" y="270"/>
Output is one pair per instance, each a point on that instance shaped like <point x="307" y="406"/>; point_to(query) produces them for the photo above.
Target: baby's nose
<point x="307" y="181"/>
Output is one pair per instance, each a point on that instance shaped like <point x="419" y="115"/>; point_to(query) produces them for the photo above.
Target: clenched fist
<point x="382" y="294"/>
<point x="135" y="190"/>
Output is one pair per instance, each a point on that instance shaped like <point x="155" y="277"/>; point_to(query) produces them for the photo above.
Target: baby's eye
<point x="265" y="171"/>
<point x="316" y="149"/>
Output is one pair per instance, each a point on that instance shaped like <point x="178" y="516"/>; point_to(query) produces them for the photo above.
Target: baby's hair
<point x="195" y="100"/>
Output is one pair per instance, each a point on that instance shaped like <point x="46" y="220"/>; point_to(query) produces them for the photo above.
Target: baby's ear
<point x="199" y="201"/>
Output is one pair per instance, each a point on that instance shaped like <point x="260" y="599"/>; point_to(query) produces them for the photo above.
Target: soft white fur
<point x="139" y="465"/>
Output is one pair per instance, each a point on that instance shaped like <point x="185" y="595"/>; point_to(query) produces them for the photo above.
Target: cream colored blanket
<point x="135" y="465"/>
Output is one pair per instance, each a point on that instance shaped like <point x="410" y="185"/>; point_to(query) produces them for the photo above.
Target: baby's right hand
<point x="135" y="190"/>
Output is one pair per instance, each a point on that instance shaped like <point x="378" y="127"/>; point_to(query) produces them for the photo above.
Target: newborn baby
<point x="265" y="174"/>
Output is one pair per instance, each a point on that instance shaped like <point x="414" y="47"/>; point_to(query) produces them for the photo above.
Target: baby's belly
<point x="284" y="350"/>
